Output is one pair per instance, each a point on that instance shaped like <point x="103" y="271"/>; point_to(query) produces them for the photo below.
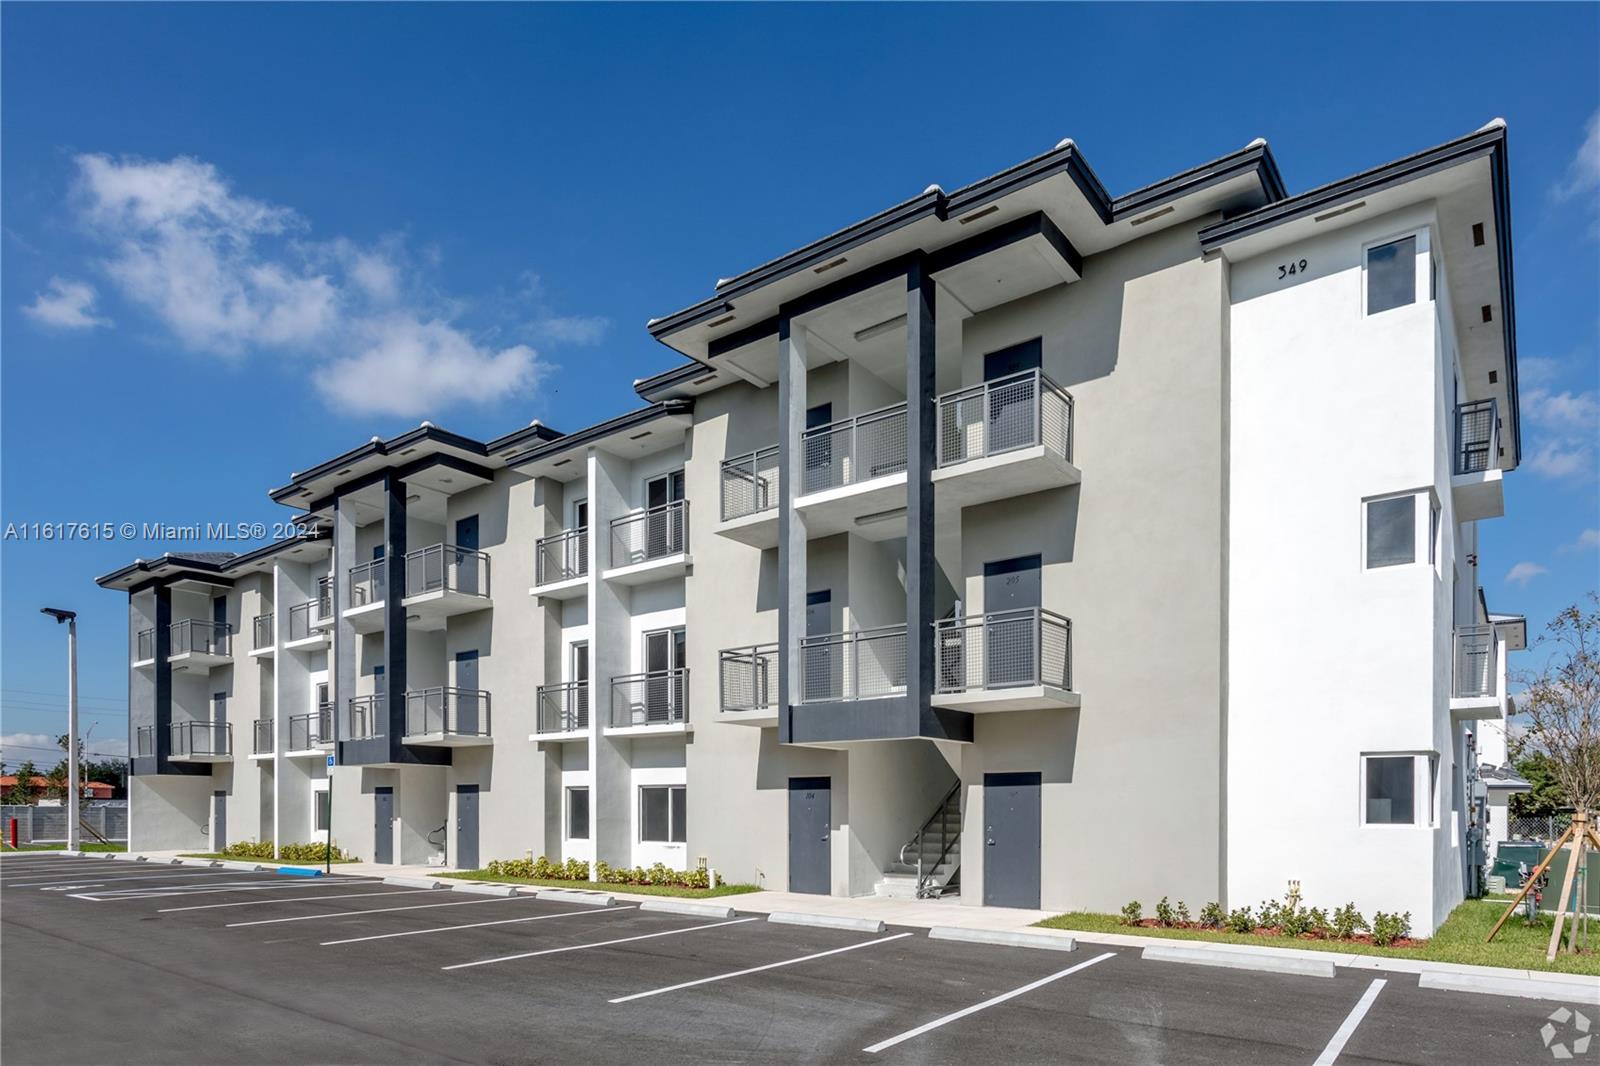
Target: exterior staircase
<point x="929" y="865"/>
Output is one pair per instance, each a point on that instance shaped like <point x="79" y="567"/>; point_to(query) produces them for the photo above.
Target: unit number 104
<point x="1288" y="269"/>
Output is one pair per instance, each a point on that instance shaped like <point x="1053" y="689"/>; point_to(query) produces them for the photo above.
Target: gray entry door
<point x="219" y="820"/>
<point x="467" y="827"/>
<point x="1011" y="840"/>
<point x="1011" y="593"/>
<point x="810" y="816"/>
<point x="466" y="560"/>
<point x="821" y="664"/>
<point x="468" y="713"/>
<point x="383" y="824"/>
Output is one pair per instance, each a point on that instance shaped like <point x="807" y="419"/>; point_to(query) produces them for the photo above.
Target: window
<point x="1391" y="786"/>
<point x="577" y="814"/>
<point x="322" y="810"/>
<point x="1433" y="531"/>
<point x="1392" y="275"/>
<point x="661" y="814"/>
<point x="1391" y="531"/>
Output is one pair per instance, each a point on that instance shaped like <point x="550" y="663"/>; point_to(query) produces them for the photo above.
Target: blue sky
<point x="228" y="227"/>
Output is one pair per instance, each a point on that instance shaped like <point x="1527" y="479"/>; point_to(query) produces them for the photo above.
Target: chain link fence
<point x="48" y="825"/>
<point x="1545" y="827"/>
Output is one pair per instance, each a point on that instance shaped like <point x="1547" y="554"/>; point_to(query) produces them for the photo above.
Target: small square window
<point x="1391" y="531"/>
<point x="661" y="814"/>
<point x="577" y="814"/>
<point x="1392" y="275"/>
<point x="1391" y="790"/>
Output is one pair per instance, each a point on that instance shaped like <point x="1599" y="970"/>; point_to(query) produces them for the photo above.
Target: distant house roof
<point x="1503" y="779"/>
<point x="94" y="789"/>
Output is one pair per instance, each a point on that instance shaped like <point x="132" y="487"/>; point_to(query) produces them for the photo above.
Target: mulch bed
<point x="1275" y="933"/>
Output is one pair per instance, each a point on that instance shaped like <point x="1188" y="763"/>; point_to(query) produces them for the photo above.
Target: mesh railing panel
<point x="749" y="484"/>
<point x="1006" y="649"/>
<point x="261" y="736"/>
<point x="657" y="698"/>
<point x="564" y="708"/>
<point x="362" y="718"/>
<point x="749" y="677"/>
<point x="460" y="712"/>
<point x="1477" y="426"/>
<point x="202" y="738"/>
<point x="854" y="450"/>
<point x="145" y="649"/>
<point x="261" y="631"/>
<point x="651" y="534"/>
<point x="302" y="616"/>
<point x="368" y="583"/>
<point x="859" y="665"/>
<point x="144" y="744"/>
<point x="998" y="416"/>
<point x="1475" y="665"/>
<point x="562" y="557"/>
<point x="192" y="635"/>
<point x="447" y="568"/>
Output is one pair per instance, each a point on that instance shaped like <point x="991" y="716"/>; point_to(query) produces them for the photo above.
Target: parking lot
<point x="110" y="961"/>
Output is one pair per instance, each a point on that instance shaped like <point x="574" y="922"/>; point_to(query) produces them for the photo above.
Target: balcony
<point x="261" y="738"/>
<point x="201" y="742"/>
<point x="750" y="498"/>
<point x="561" y="564"/>
<point x="444" y="580"/>
<point x="1005" y="661"/>
<point x="447" y="717"/>
<point x="144" y="649"/>
<point x="563" y="712"/>
<point x="861" y="664"/>
<point x="1475" y="481"/>
<point x="364" y="717"/>
<point x="652" y="702"/>
<point x="1002" y="439"/>
<point x="310" y="734"/>
<point x="854" y="476"/>
<point x="369" y="586"/>
<point x="650" y="545"/>
<point x="1478" y="672"/>
<point x="200" y="644"/>
<point x="324" y="601"/>
<point x="144" y="742"/>
<point x="306" y="626"/>
<point x="749" y="679"/>
<point x="261" y="642"/>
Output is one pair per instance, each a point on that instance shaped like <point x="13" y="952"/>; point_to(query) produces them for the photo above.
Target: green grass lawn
<point x="63" y="847"/>
<point x="249" y="858"/>
<point x="597" y="886"/>
<point x="1459" y="939"/>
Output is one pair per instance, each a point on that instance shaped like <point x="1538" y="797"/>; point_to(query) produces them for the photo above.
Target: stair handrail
<point x="944" y="841"/>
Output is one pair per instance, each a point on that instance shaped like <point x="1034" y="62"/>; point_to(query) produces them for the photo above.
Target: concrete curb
<point x="1523" y="988"/>
<point x="827" y="921"/>
<point x="1238" y="961"/>
<point x="485" y="890"/>
<point x="1003" y="938"/>
<point x="573" y="895"/>
<point x="414" y="882"/>
<point x="684" y="907"/>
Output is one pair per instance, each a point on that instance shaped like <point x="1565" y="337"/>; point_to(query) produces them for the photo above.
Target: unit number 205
<point x="1289" y="269"/>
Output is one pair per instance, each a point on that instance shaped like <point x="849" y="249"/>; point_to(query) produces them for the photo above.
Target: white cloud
<point x="1557" y="460"/>
<point x="1583" y="173"/>
<point x="1588" y="540"/>
<point x="1562" y="410"/>
<point x="234" y="277"/>
<point x="66" y="305"/>
<point x="1523" y="573"/>
<point x="35" y="746"/>
<point x="1568" y="425"/>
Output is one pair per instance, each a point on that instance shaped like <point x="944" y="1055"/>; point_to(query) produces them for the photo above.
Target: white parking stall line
<point x="380" y="910"/>
<point x="297" y="899"/>
<point x="139" y="877"/>
<point x="589" y="911"/>
<point x="756" y="969"/>
<point x="600" y="944"/>
<point x="1351" y="1022"/>
<point x="118" y="895"/>
<point x="910" y="1034"/>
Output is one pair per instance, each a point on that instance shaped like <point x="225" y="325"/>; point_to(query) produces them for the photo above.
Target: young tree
<point x="1562" y="703"/>
<point x="21" y="793"/>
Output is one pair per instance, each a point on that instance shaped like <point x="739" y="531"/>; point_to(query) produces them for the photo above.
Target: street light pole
<point x="71" y="618"/>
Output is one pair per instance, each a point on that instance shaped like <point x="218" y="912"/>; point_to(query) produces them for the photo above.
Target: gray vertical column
<point x="163" y="675"/>
<point x="792" y="546"/>
<point x="346" y="651"/>
<point x="920" y="559"/>
<point x="394" y="612"/>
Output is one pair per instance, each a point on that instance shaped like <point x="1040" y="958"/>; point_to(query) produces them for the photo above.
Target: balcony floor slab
<point x="1478" y="496"/>
<point x="840" y="510"/>
<point x="759" y="530"/>
<point x="1019" y="698"/>
<point x="672" y="729"/>
<point x="368" y="618"/>
<point x="446" y="740"/>
<point x="200" y="758"/>
<point x="311" y="643"/>
<point x="662" y="569"/>
<point x="198" y="660"/>
<point x="1477" y="708"/>
<point x="760" y="717"/>
<point x="1002" y="477"/>
<point x="433" y="610"/>
<point x="570" y="589"/>
<point x="569" y="737"/>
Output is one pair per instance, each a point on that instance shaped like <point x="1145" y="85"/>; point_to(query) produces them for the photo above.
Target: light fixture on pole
<point x="71" y="618"/>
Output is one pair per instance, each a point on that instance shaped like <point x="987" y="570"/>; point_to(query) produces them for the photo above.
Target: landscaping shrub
<point x="1132" y="911"/>
<point x="1212" y="916"/>
<point x="1317" y="921"/>
<point x="1347" y="922"/>
<point x="1165" y="915"/>
<point x="1183" y="913"/>
<point x="543" y="869"/>
<point x="1387" y="928"/>
<point x="1294" y="921"/>
<point x="1270" y="914"/>
<point x="262" y="849"/>
<point x="1241" y="921"/>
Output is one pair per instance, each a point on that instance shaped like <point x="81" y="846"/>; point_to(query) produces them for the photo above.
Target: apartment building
<point x="1022" y="545"/>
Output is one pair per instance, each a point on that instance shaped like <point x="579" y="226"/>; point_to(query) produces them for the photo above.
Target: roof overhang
<point x="175" y="568"/>
<point x="638" y="433"/>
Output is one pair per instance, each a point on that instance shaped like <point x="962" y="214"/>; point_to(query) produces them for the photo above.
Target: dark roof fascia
<point x="600" y="430"/>
<point x="1256" y="157"/>
<point x="201" y="568"/>
<point x="649" y="387"/>
<point x="422" y="434"/>
<point x="536" y="431"/>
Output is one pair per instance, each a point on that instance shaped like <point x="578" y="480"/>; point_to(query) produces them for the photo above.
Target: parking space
<point x="257" y="967"/>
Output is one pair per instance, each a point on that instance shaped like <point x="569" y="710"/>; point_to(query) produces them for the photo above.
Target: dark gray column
<point x="394" y="613"/>
<point x="163" y="673"/>
<point x="792" y="546"/>
<point x="346" y="649"/>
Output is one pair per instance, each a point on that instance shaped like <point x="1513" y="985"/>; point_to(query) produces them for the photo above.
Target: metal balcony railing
<point x="749" y="677"/>
<point x="303" y="618"/>
<point x="261" y="632"/>
<point x="364" y="717"/>
<point x="857" y="665"/>
<point x="1477" y="437"/>
<point x="854" y="450"/>
<point x="261" y="736"/>
<point x="447" y="568"/>
<point x="563" y="708"/>
<point x="562" y="556"/>
<point x="1476" y="669"/>
<point x="650" y="534"/>
<point x="324" y="599"/>
<point x="1005" y="649"/>
<point x="660" y="697"/>
<point x="144" y="741"/>
<point x="145" y="646"/>
<point x="202" y="738"/>
<point x="193" y="635"/>
<point x="307" y="731"/>
<point x="1023" y="410"/>
<point x="369" y="583"/>
<point x="448" y="711"/>
<point x="750" y="483"/>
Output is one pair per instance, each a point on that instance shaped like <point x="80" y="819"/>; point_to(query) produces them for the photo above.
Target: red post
<point x="13" y="832"/>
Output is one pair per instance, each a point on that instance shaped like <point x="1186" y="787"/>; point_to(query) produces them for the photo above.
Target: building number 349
<point x="1287" y="269"/>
